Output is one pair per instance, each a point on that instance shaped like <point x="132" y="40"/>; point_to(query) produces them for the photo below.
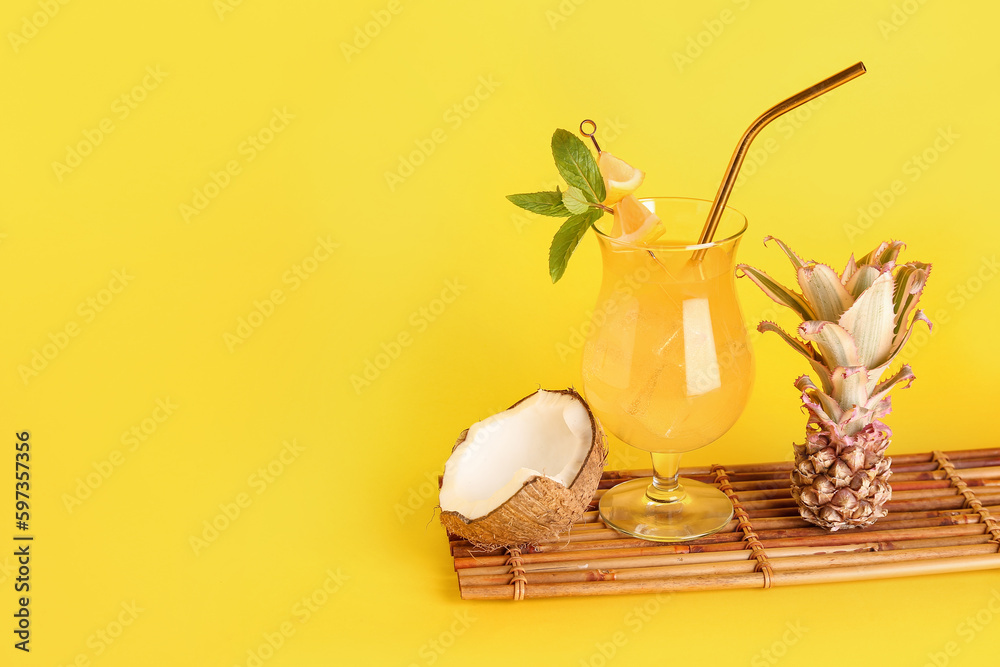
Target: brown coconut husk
<point x="542" y="508"/>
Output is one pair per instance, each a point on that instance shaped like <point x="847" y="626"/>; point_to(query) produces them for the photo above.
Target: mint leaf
<point x="545" y="203"/>
<point x="574" y="201"/>
<point x="576" y="164"/>
<point x="566" y="240"/>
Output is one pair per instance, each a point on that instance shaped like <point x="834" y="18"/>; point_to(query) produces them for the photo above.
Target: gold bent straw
<point x="824" y="86"/>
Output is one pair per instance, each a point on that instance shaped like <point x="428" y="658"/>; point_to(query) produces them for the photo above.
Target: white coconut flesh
<point x="548" y="434"/>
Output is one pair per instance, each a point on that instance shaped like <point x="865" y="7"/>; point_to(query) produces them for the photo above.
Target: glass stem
<point x="666" y="487"/>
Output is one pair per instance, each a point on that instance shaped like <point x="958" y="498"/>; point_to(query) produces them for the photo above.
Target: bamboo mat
<point x="942" y="518"/>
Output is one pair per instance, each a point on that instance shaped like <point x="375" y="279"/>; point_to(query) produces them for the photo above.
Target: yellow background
<point x="368" y="451"/>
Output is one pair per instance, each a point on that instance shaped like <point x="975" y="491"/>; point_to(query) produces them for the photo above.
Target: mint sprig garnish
<point x="575" y="201"/>
<point x="581" y="201"/>
<point x="566" y="240"/>
<point x="577" y="165"/>
<point x="545" y="203"/>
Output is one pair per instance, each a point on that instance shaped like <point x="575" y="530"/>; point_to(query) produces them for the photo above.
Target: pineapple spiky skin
<point x="840" y="480"/>
<point x="853" y="326"/>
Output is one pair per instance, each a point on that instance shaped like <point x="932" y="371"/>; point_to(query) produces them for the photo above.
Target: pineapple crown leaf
<point x="836" y="346"/>
<point x="849" y="270"/>
<point x="779" y="293"/>
<point x="885" y="253"/>
<point x="819" y="404"/>
<point x="802" y="347"/>
<point x="882" y="389"/>
<point x="850" y="386"/>
<point x="806" y="349"/>
<point x="823" y="291"/>
<point x="898" y="342"/>
<point x="919" y="315"/>
<point x="861" y="280"/>
<point x="853" y="326"/>
<point x="871" y="321"/>
<point x="796" y="261"/>
<point x="911" y="278"/>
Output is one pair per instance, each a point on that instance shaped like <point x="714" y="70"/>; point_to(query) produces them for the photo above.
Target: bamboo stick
<point x="742" y="580"/>
<point x="887" y="570"/>
<point x="725" y="556"/>
<point x="891" y="518"/>
<point x="760" y="501"/>
<point x="900" y="480"/>
<point x="939" y="493"/>
<point x="938" y="479"/>
<point x="805" y="562"/>
<point x="669" y="559"/>
<point x="792" y="519"/>
<point x="894" y="505"/>
<point x="766" y="529"/>
<point x="615" y="587"/>
<point x="612" y="539"/>
<point x="592" y="525"/>
<point x="594" y="529"/>
<point x="597" y="550"/>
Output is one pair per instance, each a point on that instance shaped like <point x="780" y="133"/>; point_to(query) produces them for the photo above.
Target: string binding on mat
<point x="517" y="579"/>
<point x="749" y="534"/>
<point x="971" y="501"/>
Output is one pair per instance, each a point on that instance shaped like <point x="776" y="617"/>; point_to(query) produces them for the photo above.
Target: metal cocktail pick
<point x="736" y="161"/>
<point x="591" y="133"/>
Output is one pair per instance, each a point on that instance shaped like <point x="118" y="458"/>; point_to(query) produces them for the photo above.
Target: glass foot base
<point x="702" y="511"/>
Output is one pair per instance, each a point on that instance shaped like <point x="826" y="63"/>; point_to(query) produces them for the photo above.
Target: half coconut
<point x="526" y="474"/>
